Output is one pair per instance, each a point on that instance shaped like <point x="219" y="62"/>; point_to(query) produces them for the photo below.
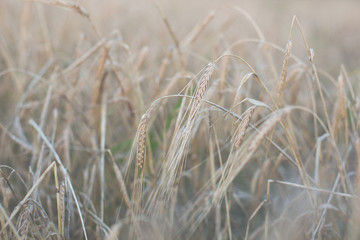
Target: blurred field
<point x="179" y="119"/>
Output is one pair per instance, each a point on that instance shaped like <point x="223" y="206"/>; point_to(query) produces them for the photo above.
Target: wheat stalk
<point x="341" y="96"/>
<point x="267" y="126"/>
<point x="67" y="4"/>
<point x="164" y="64"/>
<point x="98" y="90"/>
<point x="340" y="106"/>
<point x="143" y="54"/>
<point x="245" y="78"/>
<point x="198" y="29"/>
<point x="224" y="71"/>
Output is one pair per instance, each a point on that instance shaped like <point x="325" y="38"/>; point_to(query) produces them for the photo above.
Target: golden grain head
<point x="141" y="147"/>
<point x="244" y="124"/>
<point x="284" y="72"/>
<point x="62" y="200"/>
<point x="201" y="89"/>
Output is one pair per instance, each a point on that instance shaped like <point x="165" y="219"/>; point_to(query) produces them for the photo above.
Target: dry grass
<point x="163" y="121"/>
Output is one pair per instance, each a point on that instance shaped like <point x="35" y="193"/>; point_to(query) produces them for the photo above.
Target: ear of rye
<point x="243" y="127"/>
<point x="201" y="89"/>
<point x="140" y="153"/>
<point x="284" y="72"/>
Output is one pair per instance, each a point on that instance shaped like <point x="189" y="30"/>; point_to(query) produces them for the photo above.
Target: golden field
<point x="179" y="119"/>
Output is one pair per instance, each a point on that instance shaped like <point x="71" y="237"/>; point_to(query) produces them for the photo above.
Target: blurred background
<point x="331" y="27"/>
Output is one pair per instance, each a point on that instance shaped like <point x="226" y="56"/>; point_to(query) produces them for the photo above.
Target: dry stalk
<point x="244" y="124"/>
<point x="267" y="126"/>
<point x="64" y="172"/>
<point x="212" y="90"/>
<point x="335" y="122"/>
<point x="4" y="216"/>
<point x="261" y="182"/>
<point x="341" y="96"/>
<point x="102" y="154"/>
<point x="84" y="57"/>
<point x="142" y="56"/>
<point x="57" y="186"/>
<point x="172" y="34"/>
<point x="315" y="76"/>
<point x="284" y="72"/>
<point x="68" y="5"/>
<point x="339" y="113"/>
<point x="357" y="150"/>
<point x="120" y="180"/>
<point x="168" y="58"/>
<point x="276" y="165"/>
<point x="173" y="164"/>
<point x="98" y="89"/>
<point x="45" y="108"/>
<point x="162" y="70"/>
<point x="294" y="92"/>
<point x="224" y="71"/>
<point x="22" y="203"/>
<point x="238" y="91"/>
<point x="252" y="216"/>
<point x="172" y="83"/>
<point x="24" y="31"/>
<point x="198" y="29"/>
<point x="164" y="65"/>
